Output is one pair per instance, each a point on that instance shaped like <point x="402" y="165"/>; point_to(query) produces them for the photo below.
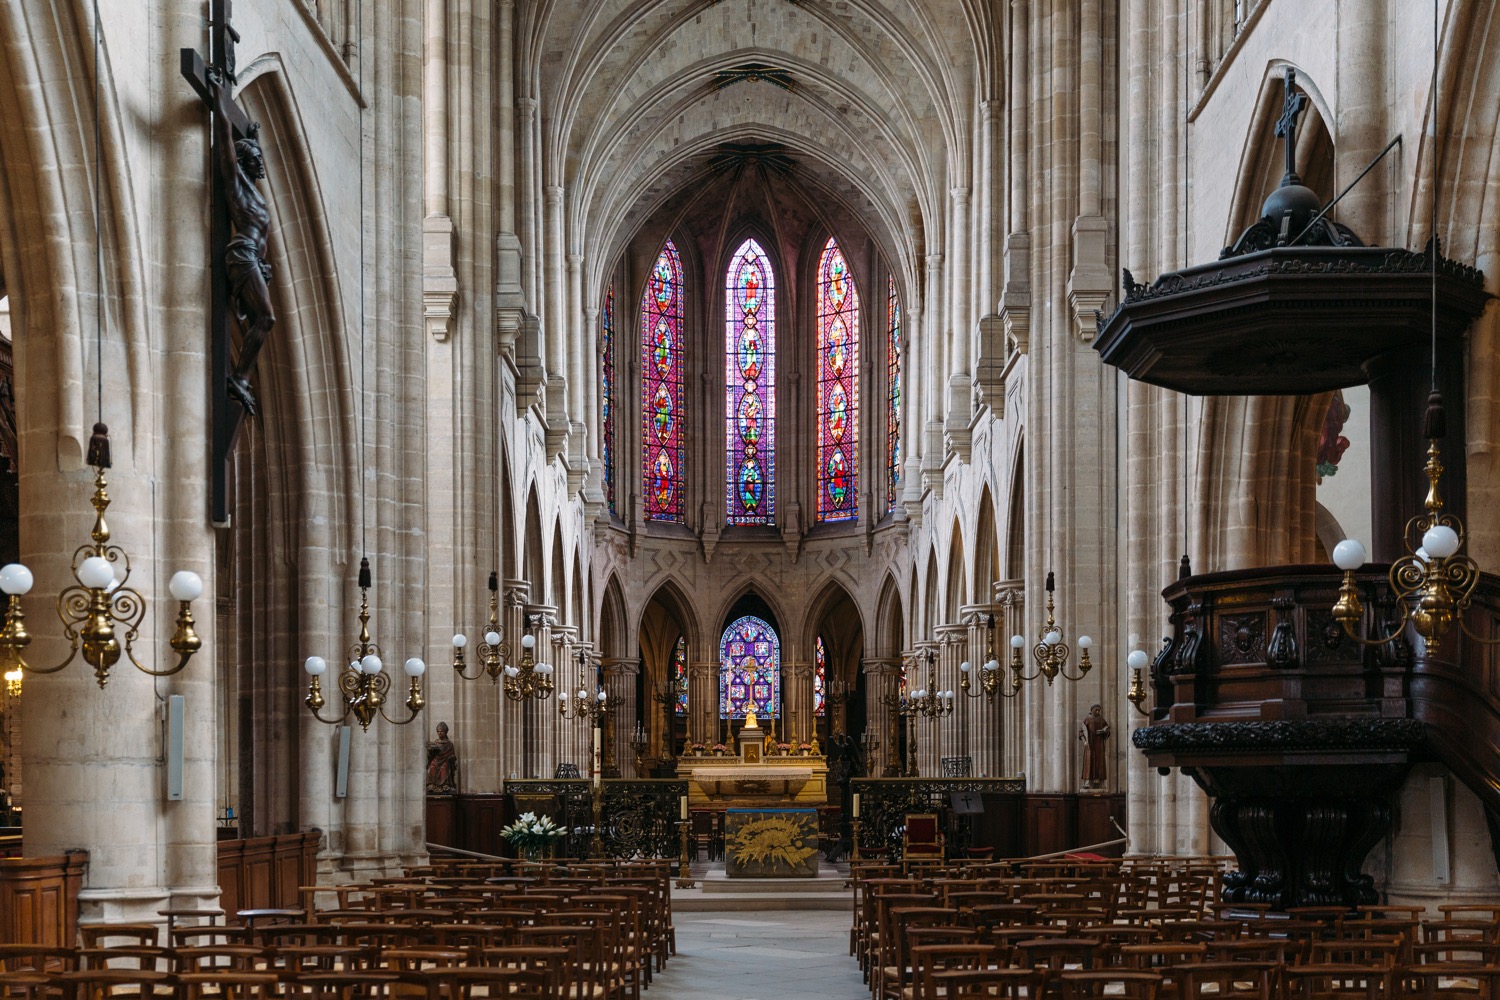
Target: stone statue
<point x="240" y="165"/>
<point x="442" y="763"/>
<point x="750" y="722"/>
<point x="1093" y="731"/>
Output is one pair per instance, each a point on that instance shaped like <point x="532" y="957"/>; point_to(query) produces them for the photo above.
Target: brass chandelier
<point x="584" y="706"/>
<point x="492" y="650"/>
<point x="362" y="681"/>
<point x="1434" y="582"/>
<point x="528" y="680"/>
<point x="92" y="608"/>
<point x="1050" y="653"/>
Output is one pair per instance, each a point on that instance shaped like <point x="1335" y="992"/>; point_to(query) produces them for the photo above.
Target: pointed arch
<point x="579" y="611"/>
<point x="663" y="390"/>
<point x="532" y="553"/>
<point x="838" y="386"/>
<point x="837" y="631"/>
<point x="890" y="619"/>
<point x="1015" y="528"/>
<point x="612" y="631"/>
<point x="750" y="386"/>
<point x="986" y="554"/>
<point x="557" y="581"/>
<point x="930" y="609"/>
<point x="957" y="588"/>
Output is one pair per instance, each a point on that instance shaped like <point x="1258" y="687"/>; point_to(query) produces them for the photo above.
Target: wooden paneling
<point x="442" y="821"/>
<point x="39" y="899"/>
<point x="266" y="872"/>
<point x="1094" y="815"/>
<point x="1051" y="824"/>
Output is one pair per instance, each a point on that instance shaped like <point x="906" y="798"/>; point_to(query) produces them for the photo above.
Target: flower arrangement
<point x="531" y="834"/>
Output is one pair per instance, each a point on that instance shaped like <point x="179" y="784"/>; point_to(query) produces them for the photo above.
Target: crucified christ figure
<point x="240" y="165"/>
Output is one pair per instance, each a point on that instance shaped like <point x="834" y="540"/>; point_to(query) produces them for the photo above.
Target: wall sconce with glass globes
<point x="528" y="679"/>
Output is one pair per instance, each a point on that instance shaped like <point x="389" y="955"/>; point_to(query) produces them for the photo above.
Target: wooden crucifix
<point x="239" y="272"/>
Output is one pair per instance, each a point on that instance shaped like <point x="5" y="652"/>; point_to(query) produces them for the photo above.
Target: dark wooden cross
<point x="205" y="78"/>
<point x="1286" y="126"/>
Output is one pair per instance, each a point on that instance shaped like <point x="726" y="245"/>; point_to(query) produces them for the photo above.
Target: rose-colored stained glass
<point x="680" y="674"/>
<point x="820" y="675"/>
<point x="838" y="387"/>
<point x="607" y="396"/>
<point x="749" y="669"/>
<point x="662" y="395"/>
<point x="893" y="394"/>
<point x="750" y="387"/>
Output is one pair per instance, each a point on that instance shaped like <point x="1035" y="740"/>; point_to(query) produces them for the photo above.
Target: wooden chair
<point x="36" y="958"/>
<point x="119" y="984"/>
<point x="232" y="984"/>
<point x="1337" y="982"/>
<point x="114" y="935"/>
<point x="514" y="982"/>
<point x="1460" y="979"/>
<point x="927" y="960"/>
<point x="922" y="838"/>
<point x="1125" y="983"/>
<point x="29" y="984"/>
<point x="1232" y="980"/>
<point x="987" y="984"/>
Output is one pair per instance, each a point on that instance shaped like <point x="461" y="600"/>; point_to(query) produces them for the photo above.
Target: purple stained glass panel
<point x="893" y="394"/>
<point x="820" y="675"/>
<point x="838" y="387"/>
<point x="663" y="435"/>
<point x="749" y="669"/>
<point x="750" y="387"/>
<point x="607" y="395"/>
<point x="680" y="674"/>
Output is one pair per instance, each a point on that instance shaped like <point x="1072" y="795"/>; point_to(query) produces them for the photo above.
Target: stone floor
<point x="768" y="955"/>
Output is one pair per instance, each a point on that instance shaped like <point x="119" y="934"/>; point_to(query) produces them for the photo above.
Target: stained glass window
<point x="820" y="675"/>
<point x="662" y="395"/>
<point x="607" y="396"/>
<point x="749" y="669"/>
<point x="680" y="674"/>
<point x="750" y="387"/>
<point x="838" y="387"/>
<point x="893" y="394"/>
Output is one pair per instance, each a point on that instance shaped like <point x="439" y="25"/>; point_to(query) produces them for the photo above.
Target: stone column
<point x="982" y="712"/>
<point x="530" y="226"/>
<point x="620" y="675"/>
<point x="567" y="740"/>
<point x="952" y="730"/>
<point x="541" y="713"/>
<point x="882" y="681"/>
<point x="703" y="702"/>
<point x="512" y="713"/>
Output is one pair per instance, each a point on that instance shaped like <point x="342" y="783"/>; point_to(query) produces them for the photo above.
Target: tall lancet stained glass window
<point x="893" y="394"/>
<point x="838" y="387"/>
<point x="607" y="395"/>
<point x="820" y="675"/>
<point x="680" y="674"/>
<point x="749" y="669"/>
<point x="750" y="387"/>
<point x="662" y="392"/>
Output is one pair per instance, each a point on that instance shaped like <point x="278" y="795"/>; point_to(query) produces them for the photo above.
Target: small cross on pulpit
<point x="239" y="222"/>
<point x="1286" y="126"/>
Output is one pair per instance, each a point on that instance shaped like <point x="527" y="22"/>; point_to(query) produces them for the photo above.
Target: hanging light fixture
<point x="528" y="680"/>
<point x="1434" y="582"/>
<point x="990" y="675"/>
<point x="492" y="650"/>
<point x="928" y="702"/>
<point x="91" y="609"/>
<point x="585" y="705"/>
<point x="363" y="682"/>
<point x="1050" y="653"/>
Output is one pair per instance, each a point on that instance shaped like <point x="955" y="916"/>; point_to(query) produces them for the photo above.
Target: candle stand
<point x="684" y="871"/>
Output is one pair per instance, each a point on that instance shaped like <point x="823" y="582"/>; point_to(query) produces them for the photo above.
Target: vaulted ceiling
<point x="874" y="101"/>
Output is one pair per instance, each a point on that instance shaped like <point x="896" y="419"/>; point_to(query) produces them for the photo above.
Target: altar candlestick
<point x="682" y="803"/>
<point x="598" y="771"/>
<point x="856" y="805"/>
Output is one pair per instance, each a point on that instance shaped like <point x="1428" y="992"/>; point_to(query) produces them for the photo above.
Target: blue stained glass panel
<point x="749" y="669"/>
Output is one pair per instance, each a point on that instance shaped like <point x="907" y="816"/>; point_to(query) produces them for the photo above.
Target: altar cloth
<point x="771" y="843"/>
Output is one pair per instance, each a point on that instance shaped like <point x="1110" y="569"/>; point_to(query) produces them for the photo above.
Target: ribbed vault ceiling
<point x="877" y="117"/>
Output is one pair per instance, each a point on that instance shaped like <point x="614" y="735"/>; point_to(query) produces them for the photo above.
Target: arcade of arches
<point x="749" y="344"/>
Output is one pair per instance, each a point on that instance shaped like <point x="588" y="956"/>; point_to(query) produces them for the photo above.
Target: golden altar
<point x="727" y="780"/>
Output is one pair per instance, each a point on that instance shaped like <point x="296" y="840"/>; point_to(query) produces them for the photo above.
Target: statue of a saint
<point x="442" y="763"/>
<point x="1092" y="733"/>
<point x="750" y="722"/>
<point x="240" y="165"/>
